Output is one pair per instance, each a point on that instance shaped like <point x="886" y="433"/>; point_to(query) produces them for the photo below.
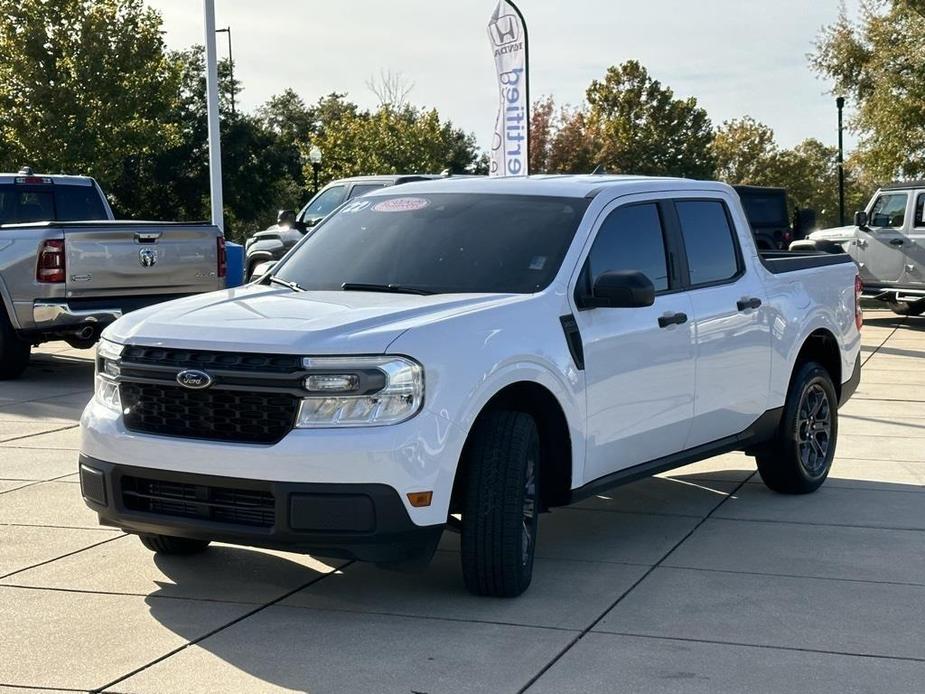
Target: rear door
<point x="731" y="322"/>
<point x="639" y="374"/>
<point x="131" y="259"/>
<point x="882" y="245"/>
<point x="914" y="273"/>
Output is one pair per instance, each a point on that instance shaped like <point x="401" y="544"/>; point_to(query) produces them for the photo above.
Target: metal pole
<point x="527" y="70"/>
<point x="840" y="103"/>
<point x="227" y="30"/>
<point x="215" y="145"/>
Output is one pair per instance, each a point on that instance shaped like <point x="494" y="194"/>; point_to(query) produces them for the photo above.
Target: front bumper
<point x="367" y="522"/>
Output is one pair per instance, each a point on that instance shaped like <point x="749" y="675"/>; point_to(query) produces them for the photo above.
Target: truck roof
<point x="555" y="185"/>
<point x="904" y="185"/>
<point x="56" y="179"/>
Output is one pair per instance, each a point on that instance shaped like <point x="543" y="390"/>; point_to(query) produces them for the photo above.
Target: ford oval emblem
<point x="196" y="380"/>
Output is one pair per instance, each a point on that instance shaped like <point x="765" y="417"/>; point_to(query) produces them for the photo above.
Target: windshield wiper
<point x="392" y="288"/>
<point x="294" y="286"/>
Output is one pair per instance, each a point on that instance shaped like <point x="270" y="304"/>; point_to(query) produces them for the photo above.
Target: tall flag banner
<point x="510" y="144"/>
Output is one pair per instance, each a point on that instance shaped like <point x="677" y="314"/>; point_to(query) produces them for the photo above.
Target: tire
<point x="166" y="544"/>
<point x="500" y="515"/>
<point x="906" y="308"/>
<point x="798" y="459"/>
<point x="14" y="353"/>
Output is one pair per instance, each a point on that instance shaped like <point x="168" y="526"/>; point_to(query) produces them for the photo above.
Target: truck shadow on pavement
<point x="589" y="555"/>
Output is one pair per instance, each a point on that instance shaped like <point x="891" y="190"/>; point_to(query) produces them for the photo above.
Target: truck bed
<point x="780" y="262"/>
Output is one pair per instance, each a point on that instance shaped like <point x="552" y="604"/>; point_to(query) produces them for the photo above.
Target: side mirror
<point x="621" y="289"/>
<point x="861" y="220"/>
<point x="311" y="221"/>
<point x="286" y="218"/>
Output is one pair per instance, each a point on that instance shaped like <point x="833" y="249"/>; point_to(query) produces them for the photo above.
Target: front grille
<point x="214" y="414"/>
<point x="219" y="504"/>
<point x="198" y="359"/>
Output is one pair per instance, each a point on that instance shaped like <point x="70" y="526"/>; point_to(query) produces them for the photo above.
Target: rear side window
<point x="709" y="240"/>
<point x="364" y="188"/>
<point x="631" y="238"/>
<point x="920" y="211"/>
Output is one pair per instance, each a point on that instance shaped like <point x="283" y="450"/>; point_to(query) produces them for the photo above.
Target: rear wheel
<point x="908" y="308"/>
<point x="798" y="460"/>
<point x="167" y="544"/>
<point x="14" y="353"/>
<point x="501" y="509"/>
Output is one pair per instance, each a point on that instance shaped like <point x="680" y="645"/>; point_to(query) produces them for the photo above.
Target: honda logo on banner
<point x="510" y="143"/>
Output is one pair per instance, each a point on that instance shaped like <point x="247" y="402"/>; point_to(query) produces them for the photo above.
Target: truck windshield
<point x="438" y="243"/>
<point x="21" y="204"/>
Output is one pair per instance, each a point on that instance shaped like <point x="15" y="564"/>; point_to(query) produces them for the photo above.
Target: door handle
<point x="896" y="242"/>
<point x="745" y="304"/>
<point x="672" y="319"/>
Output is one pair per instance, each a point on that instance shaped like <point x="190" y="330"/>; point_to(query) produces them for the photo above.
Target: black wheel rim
<point x="814" y="430"/>
<point x="528" y="534"/>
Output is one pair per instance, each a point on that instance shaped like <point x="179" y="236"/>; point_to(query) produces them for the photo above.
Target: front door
<point x="882" y="244"/>
<point x="639" y="374"/>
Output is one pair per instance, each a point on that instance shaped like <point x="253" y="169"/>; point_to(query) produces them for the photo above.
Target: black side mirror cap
<point x="861" y="220"/>
<point x="621" y="289"/>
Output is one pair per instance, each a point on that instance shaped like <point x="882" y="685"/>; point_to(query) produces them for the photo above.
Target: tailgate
<point x="141" y="258"/>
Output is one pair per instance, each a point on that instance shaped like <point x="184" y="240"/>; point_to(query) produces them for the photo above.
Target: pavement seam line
<point x="766" y="646"/>
<point x="800" y="577"/>
<point x="68" y="554"/>
<point x="87" y="591"/>
<point x="237" y="620"/>
<point x="40" y="433"/>
<point x="587" y="630"/>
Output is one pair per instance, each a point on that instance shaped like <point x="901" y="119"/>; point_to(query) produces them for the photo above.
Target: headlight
<point x="360" y="391"/>
<point x="108" y="358"/>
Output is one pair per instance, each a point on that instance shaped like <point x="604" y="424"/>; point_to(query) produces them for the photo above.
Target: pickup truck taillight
<point x="221" y="257"/>
<point x="50" y="267"/>
<point x="858" y="313"/>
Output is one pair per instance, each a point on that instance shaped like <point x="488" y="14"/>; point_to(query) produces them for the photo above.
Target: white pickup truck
<point x="469" y="354"/>
<point x="68" y="269"/>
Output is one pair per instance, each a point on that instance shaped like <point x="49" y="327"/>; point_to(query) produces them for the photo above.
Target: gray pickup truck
<point x="68" y="269"/>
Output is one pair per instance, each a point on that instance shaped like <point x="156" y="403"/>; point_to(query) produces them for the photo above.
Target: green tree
<point x="877" y="63"/>
<point x="640" y="127"/>
<point x="389" y="140"/>
<point x="744" y="151"/>
<point x="83" y="85"/>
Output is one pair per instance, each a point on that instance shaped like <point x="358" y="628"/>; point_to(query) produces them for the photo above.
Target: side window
<point x="631" y="238"/>
<point x="326" y="201"/>
<point x="709" y="241"/>
<point x="920" y="211"/>
<point x="361" y="189"/>
<point x="889" y="211"/>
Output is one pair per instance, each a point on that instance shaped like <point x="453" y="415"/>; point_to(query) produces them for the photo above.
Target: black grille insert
<point x="197" y="359"/>
<point x="249" y="507"/>
<point x="214" y="414"/>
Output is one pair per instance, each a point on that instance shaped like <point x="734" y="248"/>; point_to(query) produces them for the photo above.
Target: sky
<point x="737" y="57"/>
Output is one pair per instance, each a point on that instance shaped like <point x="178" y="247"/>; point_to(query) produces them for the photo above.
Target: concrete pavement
<point x="699" y="580"/>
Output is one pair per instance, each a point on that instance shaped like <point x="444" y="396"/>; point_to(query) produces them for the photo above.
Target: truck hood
<point x="836" y="234"/>
<point x="280" y="321"/>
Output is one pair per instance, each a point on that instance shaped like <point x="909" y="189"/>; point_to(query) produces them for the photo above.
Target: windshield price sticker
<point x="401" y="205"/>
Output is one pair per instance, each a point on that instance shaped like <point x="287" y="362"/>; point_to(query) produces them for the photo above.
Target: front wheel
<point x="167" y="544"/>
<point x="800" y="456"/>
<point x="501" y="509"/>
<point x="908" y="308"/>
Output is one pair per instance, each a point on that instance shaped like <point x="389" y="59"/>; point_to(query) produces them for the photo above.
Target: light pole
<point x="215" y="145"/>
<point x="840" y="103"/>
<point x="314" y="156"/>
<point x="227" y="30"/>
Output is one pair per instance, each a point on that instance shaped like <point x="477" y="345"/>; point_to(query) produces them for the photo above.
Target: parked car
<point x="68" y="269"/>
<point x="887" y="240"/>
<point x="467" y="355"/>
<point x="766" y="211"/>
<point x="268" y="246"/>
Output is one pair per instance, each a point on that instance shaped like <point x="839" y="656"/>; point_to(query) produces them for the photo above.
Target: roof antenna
<point x="599" y="170"/>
